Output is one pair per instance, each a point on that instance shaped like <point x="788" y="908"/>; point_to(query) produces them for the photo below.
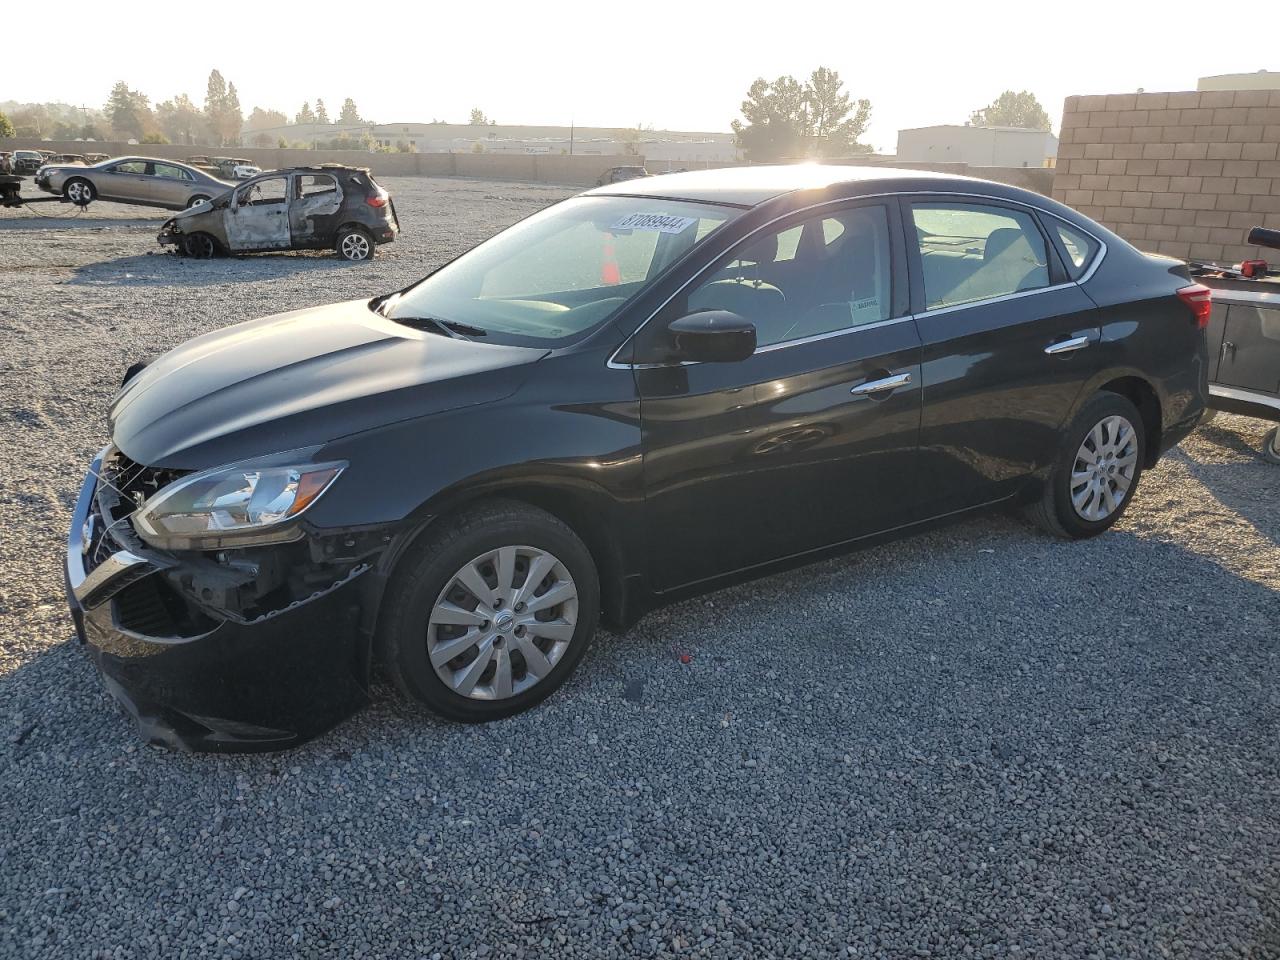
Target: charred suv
<point x="308" y="208"/>
<point x="638" y="394"/>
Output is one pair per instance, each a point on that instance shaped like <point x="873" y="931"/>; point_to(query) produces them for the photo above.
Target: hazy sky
<point x="683" y="65"/>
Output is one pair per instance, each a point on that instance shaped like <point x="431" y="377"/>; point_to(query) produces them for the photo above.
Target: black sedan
<point x="643" y="392"/>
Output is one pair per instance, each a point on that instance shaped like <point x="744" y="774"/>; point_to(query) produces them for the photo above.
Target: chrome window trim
<point x="614" y="364"/>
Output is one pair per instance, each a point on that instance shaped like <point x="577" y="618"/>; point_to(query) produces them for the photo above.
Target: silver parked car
<point x="142" y="180"/>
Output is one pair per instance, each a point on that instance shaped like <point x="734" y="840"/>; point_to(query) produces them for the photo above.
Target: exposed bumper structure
<point x="196" y="682"/>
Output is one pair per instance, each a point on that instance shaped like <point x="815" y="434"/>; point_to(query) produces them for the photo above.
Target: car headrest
<point x="999" y="241"/>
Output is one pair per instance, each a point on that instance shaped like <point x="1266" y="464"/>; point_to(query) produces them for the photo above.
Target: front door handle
<point x="881" y="386"/>
<point x="1067" y="346"/>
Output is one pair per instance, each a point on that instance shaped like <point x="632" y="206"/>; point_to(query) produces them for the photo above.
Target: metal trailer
<point x="1244" y="338"/>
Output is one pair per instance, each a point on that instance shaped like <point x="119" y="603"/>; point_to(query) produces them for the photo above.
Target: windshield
<point x="561" y="271"/>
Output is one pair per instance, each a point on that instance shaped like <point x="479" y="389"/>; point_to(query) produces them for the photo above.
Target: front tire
<point x="1092" y="482"/>
<point x="488" y="614"/>
<point x="200" y="246"/>
<point x="79" y="191"/>
<point x="355" y="244"/>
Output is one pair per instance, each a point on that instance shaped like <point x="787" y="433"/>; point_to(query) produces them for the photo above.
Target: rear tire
<point x="355" y="244"/>
<point x="79" y="191"/>
<point x="1271" y="446"/>
<point x="468" y="579"/>
<point x="1093" y="480"/>
<point x="198" y="198"/>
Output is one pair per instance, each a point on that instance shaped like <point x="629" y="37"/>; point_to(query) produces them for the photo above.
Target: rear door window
<point x="972" y="252"/>
<point x="170" y="172"/>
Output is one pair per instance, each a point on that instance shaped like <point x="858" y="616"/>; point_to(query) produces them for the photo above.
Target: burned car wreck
<point x="308" y="208"/>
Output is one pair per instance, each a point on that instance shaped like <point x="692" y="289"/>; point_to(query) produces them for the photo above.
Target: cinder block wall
<point x="1185" y="174"/>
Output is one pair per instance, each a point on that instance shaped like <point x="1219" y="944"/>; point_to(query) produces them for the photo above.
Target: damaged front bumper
<point x="198" y="678"/>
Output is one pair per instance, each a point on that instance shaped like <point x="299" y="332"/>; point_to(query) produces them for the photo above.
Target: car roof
<point x="753" y="185"/>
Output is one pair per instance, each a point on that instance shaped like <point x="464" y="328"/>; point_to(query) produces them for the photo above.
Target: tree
<point x="789" y="119"/>
<point x="222" y="110"/>
<point x="154" y="136"/>
<point x="1012" y="109"/>
<point x="322" y="115"/>
<point x="181" y="120"/>
<point x="261" y="119"/>
<point x="305" y="115"/>
<point x="6" y="127"/>
<point x="776" y="120"/>
<point x="349" y="113"/>
<point x="477" y="117"/>
<point x="834" y="132"/>
<point x="262" y="140"/>
<point x="129" y="112"/>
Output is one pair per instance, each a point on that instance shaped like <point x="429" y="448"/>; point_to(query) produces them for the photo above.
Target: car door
<point x="122" y="181"/>
<point x="812" y="440"/>
<point x="313" y="209"/>
<point x="258" y="216"/>
<point x="170" y="185"/>
<point x="1007" y="337"/>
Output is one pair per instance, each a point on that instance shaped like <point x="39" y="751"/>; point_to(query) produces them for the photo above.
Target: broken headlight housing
<point x="237" y="505"/>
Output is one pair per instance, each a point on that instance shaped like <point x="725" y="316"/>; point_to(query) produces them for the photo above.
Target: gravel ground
<point x="979" y="742"/>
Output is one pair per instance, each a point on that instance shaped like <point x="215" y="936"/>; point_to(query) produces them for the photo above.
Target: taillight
<point x="376" y="200"/>
<point x="1199" y="300"/>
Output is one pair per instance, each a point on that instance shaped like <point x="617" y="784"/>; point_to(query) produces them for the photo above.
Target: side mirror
<point x="712" y="336"/>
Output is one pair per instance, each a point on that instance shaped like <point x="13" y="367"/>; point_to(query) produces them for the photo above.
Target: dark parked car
<point x="619" y="174"/>
<point x="309" y="208"/>
<point x="631" y="396"/>
<point x="27" y="161"/>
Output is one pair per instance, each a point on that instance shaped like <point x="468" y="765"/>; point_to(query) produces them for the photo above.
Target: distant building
<point x="658" y="147"/>
<point x="1260" y="80"/>
<point x="978" y="146"/>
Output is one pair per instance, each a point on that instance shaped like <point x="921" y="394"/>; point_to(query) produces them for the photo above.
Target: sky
<point x="676" y="65"/>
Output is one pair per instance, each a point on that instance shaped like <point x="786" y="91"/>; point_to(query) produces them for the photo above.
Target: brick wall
<point x="1185" y="174"/>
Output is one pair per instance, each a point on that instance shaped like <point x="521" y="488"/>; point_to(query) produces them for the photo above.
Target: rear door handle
<point x="881" y="386"/>
<point x="1067" y="346"/>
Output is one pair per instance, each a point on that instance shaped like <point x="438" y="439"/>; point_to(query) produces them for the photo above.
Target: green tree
<point x="222" y="110"/>
<point x="349" y="113"/>
<point x="322" y="115"/>
<point x="477" y="117"/>
<point x="129" y="112"/>
<point x="832" y="130"/>
<point x="1012" y="109"/>
<point x="305" y="115"/>
<point x="786" y="118"/>
<point x="155" y="136"/>
<point x="261" y="119"/>
<point x="6" y="126"/>
<point x="181" y="120"/>
<point x="776" y="120"/>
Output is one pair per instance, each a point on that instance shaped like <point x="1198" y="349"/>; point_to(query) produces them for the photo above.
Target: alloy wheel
<point x="1104" y="469"/>
<point x="355" y="246"/>
<point x="77" y="193"/>
<point x="502" y="623"/>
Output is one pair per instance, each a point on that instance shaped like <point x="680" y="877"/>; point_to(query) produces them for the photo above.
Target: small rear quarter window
<point x="1079" y="247"/>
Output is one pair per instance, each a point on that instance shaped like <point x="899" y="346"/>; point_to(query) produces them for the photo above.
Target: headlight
<point x="250" y="502"/>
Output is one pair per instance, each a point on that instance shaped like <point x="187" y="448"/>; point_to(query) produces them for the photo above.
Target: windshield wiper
<point x="447" y="328"/>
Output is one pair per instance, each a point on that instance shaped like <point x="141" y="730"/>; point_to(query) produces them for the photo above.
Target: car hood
<point x="300" y="379"/>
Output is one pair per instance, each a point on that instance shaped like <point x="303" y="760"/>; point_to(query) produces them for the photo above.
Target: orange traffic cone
<point x="609" y="274"/>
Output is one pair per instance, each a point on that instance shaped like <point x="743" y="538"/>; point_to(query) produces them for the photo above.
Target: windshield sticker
<point x="662" y="223"/>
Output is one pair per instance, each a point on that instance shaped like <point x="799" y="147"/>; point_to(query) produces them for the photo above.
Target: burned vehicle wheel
<point x="200" y="246"/>
<point x="1097" y="471"/>
<point x="355" y="244"/>
<point x="1271" y="446"/>
<point x="197" y="199"/>
<point x="79" y="191"/>
<point x="488" y="615"/>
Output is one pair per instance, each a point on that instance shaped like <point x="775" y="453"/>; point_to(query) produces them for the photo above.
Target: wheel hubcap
<point x="355" y="247"/>
<point x="1104" y="469"/>
<point x="502" y="623"/>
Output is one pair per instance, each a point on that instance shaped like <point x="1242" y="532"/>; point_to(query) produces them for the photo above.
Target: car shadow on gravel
<point x="163" y="269"/>
<point x="1240" y="487"/>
